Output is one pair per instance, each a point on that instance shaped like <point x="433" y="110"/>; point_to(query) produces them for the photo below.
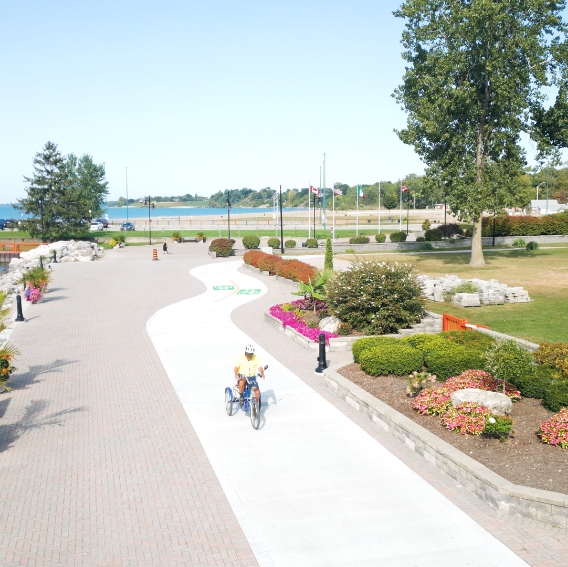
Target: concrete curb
<point x="499" y="493"/>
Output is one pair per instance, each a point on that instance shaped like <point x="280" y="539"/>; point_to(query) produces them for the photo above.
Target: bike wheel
<point x="254" y="413"/>
<point x="229" y="405"/>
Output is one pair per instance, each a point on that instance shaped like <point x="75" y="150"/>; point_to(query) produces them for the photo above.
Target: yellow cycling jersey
<point x="247" y="367"/>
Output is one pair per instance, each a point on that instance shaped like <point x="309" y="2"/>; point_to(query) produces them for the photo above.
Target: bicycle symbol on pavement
<point x="248" y="292"/>
<point x="223" y="287"/>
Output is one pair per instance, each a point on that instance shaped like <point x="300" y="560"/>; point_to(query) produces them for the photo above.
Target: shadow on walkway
<point x="22" y="381"/>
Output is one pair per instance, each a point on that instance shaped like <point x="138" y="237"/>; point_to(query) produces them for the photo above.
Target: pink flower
<point x="554" y="431"/>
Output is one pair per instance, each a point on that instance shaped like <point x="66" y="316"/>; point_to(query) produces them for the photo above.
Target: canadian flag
<point x="403" y="189"/>
<point x="314" y="190"/>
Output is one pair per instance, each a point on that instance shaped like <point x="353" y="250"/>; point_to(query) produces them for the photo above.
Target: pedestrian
<point x="165" y="247"/>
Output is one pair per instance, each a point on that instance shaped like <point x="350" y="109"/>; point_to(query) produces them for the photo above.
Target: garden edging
<point x="499" y="493"/>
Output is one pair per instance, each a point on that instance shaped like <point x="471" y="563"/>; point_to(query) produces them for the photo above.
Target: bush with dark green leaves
<point x="359" y="240"/>
<point x="450" y="229"/>
<point x="509" y="362"/>
<point x="377" y="298"/>
<point x="399" y="360"/>
<point x="532" y="245"/>
<point x="290" y="244"/>
<point x="469" y="338"/>
<point x="344" y="329"/>
<point x="433" y="235"/>
<point x="420" y="239"/>
<point x="223" y="247"/>
<point x="380" y="238"/>
<point x="536" y="383"/>
<point x="367" y="343"/>
<point x="311" y="243"/>
<point x="556" y="396"/>
<point x="398" y="236"/>
<point x="452" y="360"/>
<point x="250" y="241"/>
<point x="498" y="427"/>
<point x="274" y="242"/>
<point x="426" y="342"/>
<point x="427" y="246"/>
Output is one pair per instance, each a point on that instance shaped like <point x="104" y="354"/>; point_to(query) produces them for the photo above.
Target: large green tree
<point x="474" y="82"/>
<point x="60" y="194"/>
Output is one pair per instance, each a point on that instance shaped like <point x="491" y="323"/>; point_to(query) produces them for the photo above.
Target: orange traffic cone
<point x="154" y="254"/>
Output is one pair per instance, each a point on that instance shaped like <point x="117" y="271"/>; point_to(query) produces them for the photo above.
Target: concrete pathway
<point x="310" y="487"/>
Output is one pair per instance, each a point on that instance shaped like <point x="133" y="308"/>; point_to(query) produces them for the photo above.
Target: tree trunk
<point x="477" y="259"/>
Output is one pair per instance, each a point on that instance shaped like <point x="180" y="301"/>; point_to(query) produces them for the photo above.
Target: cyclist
<point x="248" y="364"/>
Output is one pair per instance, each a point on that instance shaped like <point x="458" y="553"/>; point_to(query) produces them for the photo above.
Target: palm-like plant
<point x="314" y="289"/>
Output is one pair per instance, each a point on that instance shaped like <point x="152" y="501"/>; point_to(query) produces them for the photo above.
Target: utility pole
<point x="229" y="213"/>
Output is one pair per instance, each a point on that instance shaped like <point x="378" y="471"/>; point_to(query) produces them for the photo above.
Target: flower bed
<point x="554" y="431"/>
<point x="293" y="320"/>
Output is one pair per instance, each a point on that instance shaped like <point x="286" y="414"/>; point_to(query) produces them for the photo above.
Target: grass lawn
<point x="543" y="273"/>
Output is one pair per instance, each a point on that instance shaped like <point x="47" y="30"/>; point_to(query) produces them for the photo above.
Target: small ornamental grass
<point x="468" y="418"/>
<point x="554" y="431"/>
<point x="376" y="298"/>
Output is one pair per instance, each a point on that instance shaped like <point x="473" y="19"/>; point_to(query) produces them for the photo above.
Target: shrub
<point x="467" y="418"/>
<point x="223" y="247"/>
<point x="482" y="381"/>
<point x="526" y="225"/>
<point x="328" y="260"/>
<point x="250" y="241"/>
<point x="536" y="384"/>
<point x="427" y="246"/>
<point x="433" y="401"/>
<point x="380" y="238"/>
<point x="425" y="342"/>
<point x="344" y="329"/>
<point x="251" y="258"/>
<point x="398" y="236"/>
<point x="311" y="243"/>
<point x="120" y="238"/>
<point x="451" y="229"/>
<point x="417" y="381"/>
<point x="112" y="242"/>
<point x="465" y="287"/>
<point x="452" y="360"/>
<point x="377" y="298"/>
<point x="554" y="431"/>
<point x="519" y="243"/>
<point x="433" y="235"/>
<point x="268" y="263"/>
<point x="508" y="362"/>
<point x="471" y="339"/>
<point x="532" y="245"/>
<point x="556" y="396"/>
<point x="426" y="225"/>
<point x="37" y="277"/>
<point x="176" y="236"/>
<point x="498" y="427"/>
<point x="199" y="236"/>
<point x="361" y="345"/>
<point x="274" y="242"/>
<point x="555" y="355"/>
<point x="290" y="244"/>
<point x="391" y="359"/>
<point x="359" y="240"/>
<point x="420" y="239"/>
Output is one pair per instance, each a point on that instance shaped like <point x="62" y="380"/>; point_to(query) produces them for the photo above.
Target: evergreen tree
<point x="328" y="261"/>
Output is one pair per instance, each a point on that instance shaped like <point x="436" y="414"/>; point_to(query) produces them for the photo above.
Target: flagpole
<point x="379" y="207"/>
<point x="357" y="213"/>
<point x="333" y="208"/>
<point x="400" y="204"/>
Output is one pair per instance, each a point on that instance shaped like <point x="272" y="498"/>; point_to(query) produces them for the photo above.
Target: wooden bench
<point x="189" y="239"/>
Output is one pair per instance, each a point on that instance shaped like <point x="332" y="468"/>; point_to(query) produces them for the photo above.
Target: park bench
<point x="190" y="239"/>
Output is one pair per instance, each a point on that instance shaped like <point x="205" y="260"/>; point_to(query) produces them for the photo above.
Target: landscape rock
<point x="495" y="402"/>
<point x="329" y="324"/>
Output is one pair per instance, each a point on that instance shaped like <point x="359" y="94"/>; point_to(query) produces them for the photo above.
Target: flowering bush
<point x="6" y="367"/>
<point x="554" y="431"/>
<point x="433" y="401"/>
<point x="377" y="298"/>
<point x="289" y="269"/>
<point x="268" y="263"/>
<point x="33" y="295"/>
<point x="467" y="418"/>
<point x="417" y="381"/>
<point x="294" y="320"/>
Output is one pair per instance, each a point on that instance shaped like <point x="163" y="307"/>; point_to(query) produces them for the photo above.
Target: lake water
<point x="8" y="212"/>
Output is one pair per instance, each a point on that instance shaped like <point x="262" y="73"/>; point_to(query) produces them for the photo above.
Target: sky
<point x="198" y="97"/>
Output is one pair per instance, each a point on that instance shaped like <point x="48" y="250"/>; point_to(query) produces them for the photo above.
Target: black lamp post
<point x="229" y="213"/>
<point x="281" y="225"/>
<point x="149" y="201"/>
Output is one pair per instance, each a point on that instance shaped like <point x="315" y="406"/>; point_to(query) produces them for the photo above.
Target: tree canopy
<point x="474" y="82"/>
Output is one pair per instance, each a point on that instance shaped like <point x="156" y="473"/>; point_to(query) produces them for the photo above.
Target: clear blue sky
<point x="197" y="97"/>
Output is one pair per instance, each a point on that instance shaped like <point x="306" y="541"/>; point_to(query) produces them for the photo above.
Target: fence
<point x="451" y="323"/>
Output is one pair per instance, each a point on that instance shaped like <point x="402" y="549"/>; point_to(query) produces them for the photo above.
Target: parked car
<point x="2" y="224"/>
<point x="11" y="223"/>
<point x="104" y="222"/>
<point x="96" y="225"/>
<point x="127" y="226"/>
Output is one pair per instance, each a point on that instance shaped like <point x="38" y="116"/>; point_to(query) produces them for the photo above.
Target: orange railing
<point x="451" y="323"/>
<point x="18" y="246"/>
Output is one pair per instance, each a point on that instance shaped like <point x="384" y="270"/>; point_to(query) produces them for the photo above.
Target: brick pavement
<point x="539" y="544"/>
<point x="99" y="463"/>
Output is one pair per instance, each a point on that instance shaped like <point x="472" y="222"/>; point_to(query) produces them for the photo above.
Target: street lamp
<point x="229" y="213"/>
<point x="149" y="201"/>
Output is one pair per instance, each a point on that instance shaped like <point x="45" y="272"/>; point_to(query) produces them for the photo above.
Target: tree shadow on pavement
<point x="33" y="418"/>
<point x="22" y="381"/>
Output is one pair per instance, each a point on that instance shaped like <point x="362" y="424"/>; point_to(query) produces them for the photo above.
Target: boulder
<point x="329" y="324"/>
<point x="496" y="403"/>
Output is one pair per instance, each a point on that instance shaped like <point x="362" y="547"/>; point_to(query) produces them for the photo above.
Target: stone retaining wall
<point x="499" y="493"/>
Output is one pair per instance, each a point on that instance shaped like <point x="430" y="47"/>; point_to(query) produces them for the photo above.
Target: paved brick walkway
<point x="99" y="463"/>
<point x="539" y="544"/>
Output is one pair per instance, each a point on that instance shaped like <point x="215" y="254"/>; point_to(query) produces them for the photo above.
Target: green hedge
<point x="359" y="240"/>
<point x="452" y="360"/>
<point x="556" y="396"/>
<point x="380" y="237"/>
<point x="536" y="383"/>
<point x="526" y="225"/>
<point x="361" y="345"/>
<point x="433" y="235"/>
<point x="398" y="236"/>
<point x="251" y="241"/>
<point x="290" y="244"/>
<point x="400" y="360"/>
<point x="426" y="342"/>
<point x="274" y="242"/>
<point x="311" y="243"/>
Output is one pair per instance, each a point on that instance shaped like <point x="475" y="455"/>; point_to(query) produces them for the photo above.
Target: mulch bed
<point x="522" y="459"/>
